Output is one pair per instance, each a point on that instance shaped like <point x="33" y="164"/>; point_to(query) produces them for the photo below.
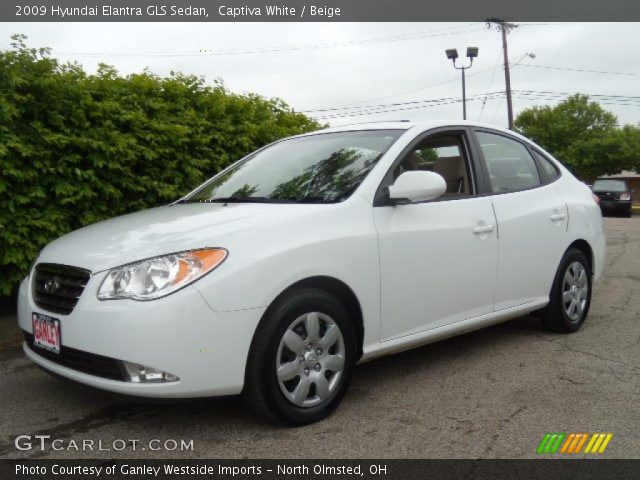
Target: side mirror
<point x="417" y="186"/>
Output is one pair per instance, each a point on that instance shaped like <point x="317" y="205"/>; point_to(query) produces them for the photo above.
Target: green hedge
<point x="77" y="148"/>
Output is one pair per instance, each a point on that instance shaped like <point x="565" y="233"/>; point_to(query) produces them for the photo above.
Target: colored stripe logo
<point x="573" y="443"/>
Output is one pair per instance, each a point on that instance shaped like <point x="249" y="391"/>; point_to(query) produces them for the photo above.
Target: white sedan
<point x="279" y="274"/>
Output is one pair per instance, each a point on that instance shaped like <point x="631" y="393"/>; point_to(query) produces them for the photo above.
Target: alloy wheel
<point x="310" y="360"/>
<point x="575" y="289"/>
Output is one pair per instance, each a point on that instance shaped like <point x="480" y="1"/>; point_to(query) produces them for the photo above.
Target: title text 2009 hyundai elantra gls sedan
<point x="275" y="277"/>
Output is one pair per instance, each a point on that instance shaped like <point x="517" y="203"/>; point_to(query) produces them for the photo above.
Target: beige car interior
<point x="439" y="155"/>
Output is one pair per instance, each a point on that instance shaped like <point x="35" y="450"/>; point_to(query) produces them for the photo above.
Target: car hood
<point x="163" y="230"/>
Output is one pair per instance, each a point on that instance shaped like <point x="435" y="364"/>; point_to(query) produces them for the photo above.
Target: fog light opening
<point x="137" y="373"/>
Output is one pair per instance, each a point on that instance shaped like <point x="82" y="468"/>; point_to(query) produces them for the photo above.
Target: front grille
<point x="607" y="196"/>
<point x="57" y="288"/>
<point x="89" y="363"/>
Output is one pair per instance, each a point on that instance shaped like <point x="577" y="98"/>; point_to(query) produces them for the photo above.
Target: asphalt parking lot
<point x="488" y="394"/>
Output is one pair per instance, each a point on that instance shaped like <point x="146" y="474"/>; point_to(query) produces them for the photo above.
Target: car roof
<point x="408" y="124"/>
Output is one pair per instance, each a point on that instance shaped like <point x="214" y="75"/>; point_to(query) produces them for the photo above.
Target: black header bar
<point x="316" y="10"/>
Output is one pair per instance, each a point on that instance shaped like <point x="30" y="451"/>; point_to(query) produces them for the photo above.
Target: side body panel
<point x="434" y="269"/>
<point x="532" y="229"/>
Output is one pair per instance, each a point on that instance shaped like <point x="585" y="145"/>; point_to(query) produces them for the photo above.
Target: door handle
<point x="483" y="229"/>
<point x="556" y="217"/>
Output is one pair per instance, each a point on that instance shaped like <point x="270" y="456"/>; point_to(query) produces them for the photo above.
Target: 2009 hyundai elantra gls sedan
<point x="280" y="273"/>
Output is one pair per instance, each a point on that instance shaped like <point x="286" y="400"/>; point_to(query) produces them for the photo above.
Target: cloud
<point x="321" y="65"/>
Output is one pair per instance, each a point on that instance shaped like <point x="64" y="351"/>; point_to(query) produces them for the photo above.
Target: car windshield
<point x="609" y="186"/>
<point x="322" y="168"/>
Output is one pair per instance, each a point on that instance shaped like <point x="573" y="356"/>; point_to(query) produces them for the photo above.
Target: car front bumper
<point x="615" y="204"/>
<point x="179" y="334"/>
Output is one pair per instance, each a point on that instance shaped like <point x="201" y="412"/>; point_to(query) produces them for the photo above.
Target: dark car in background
<point x="614" y="195"/>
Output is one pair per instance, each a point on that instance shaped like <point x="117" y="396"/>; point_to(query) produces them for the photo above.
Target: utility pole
<point x="504" y="28"/>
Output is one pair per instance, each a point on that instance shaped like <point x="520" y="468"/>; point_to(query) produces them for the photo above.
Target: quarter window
<point x="511" y="167"/>
<point x="549" y="168"/>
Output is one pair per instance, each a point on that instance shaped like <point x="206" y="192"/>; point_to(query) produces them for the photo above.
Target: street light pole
<point x="464" y="96"/>
<point x="452" y="54"/>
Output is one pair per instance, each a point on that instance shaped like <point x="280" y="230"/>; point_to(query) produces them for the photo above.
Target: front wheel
<point x="301" y="358"/>
<point x="570" y="295"/>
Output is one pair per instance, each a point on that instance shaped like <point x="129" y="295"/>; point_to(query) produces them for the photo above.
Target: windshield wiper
<point x="312" y="200"/>
<point x="248" y="200"/>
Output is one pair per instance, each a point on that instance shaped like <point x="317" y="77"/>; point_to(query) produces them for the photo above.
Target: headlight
<point x="159" y="276"/>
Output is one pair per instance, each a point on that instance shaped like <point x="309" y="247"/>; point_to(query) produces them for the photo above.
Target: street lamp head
<point x="452" y="53"/>
<point x="472" y="52"/>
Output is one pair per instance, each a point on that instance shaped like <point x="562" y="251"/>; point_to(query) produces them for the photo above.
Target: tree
<point x="631" y="147"/>
<point x="581" y="134"/>
<point x="78" y="148"/>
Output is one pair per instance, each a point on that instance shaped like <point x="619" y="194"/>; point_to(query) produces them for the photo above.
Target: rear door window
<point x="510" y="165"/>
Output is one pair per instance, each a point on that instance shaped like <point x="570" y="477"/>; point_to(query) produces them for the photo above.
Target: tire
<point x="303" y="361"/>
<point x="628" y="213"/>
<point x="573" y="275"/>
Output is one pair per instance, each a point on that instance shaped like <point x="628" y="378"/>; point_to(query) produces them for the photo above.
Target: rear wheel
<point x="301" y="358"/>
<point x="570" y="295"/>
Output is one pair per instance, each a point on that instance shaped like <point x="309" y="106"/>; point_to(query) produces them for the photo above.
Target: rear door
<point x="532" y="218"/>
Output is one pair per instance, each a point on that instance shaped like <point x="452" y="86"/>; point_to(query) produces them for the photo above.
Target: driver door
<point x="438" y="259"/>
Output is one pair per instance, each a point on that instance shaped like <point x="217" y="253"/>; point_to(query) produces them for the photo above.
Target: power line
<point x="406" y="92"/>
<point x="619" y="100"/>
<point x="372" y="108"/>
<point x="551" y="67"/>
<point x="455" y="30"/>
<point x="406" y="106"/>
<point x="397" y="94"/>
<point x="531" y="95"/>
<point x="493" y="74"/>
<point x="281" y="49"/>
<point x="497" y="109"/>
<point x="557" y="100"/>
<point x="590" y="95"/>
<point x="378" y="106"/>
<point x="348" y="115"/>
<point x="516" y="63"/>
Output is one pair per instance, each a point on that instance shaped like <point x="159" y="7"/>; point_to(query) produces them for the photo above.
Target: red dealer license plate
<point x="46" y="332"/>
